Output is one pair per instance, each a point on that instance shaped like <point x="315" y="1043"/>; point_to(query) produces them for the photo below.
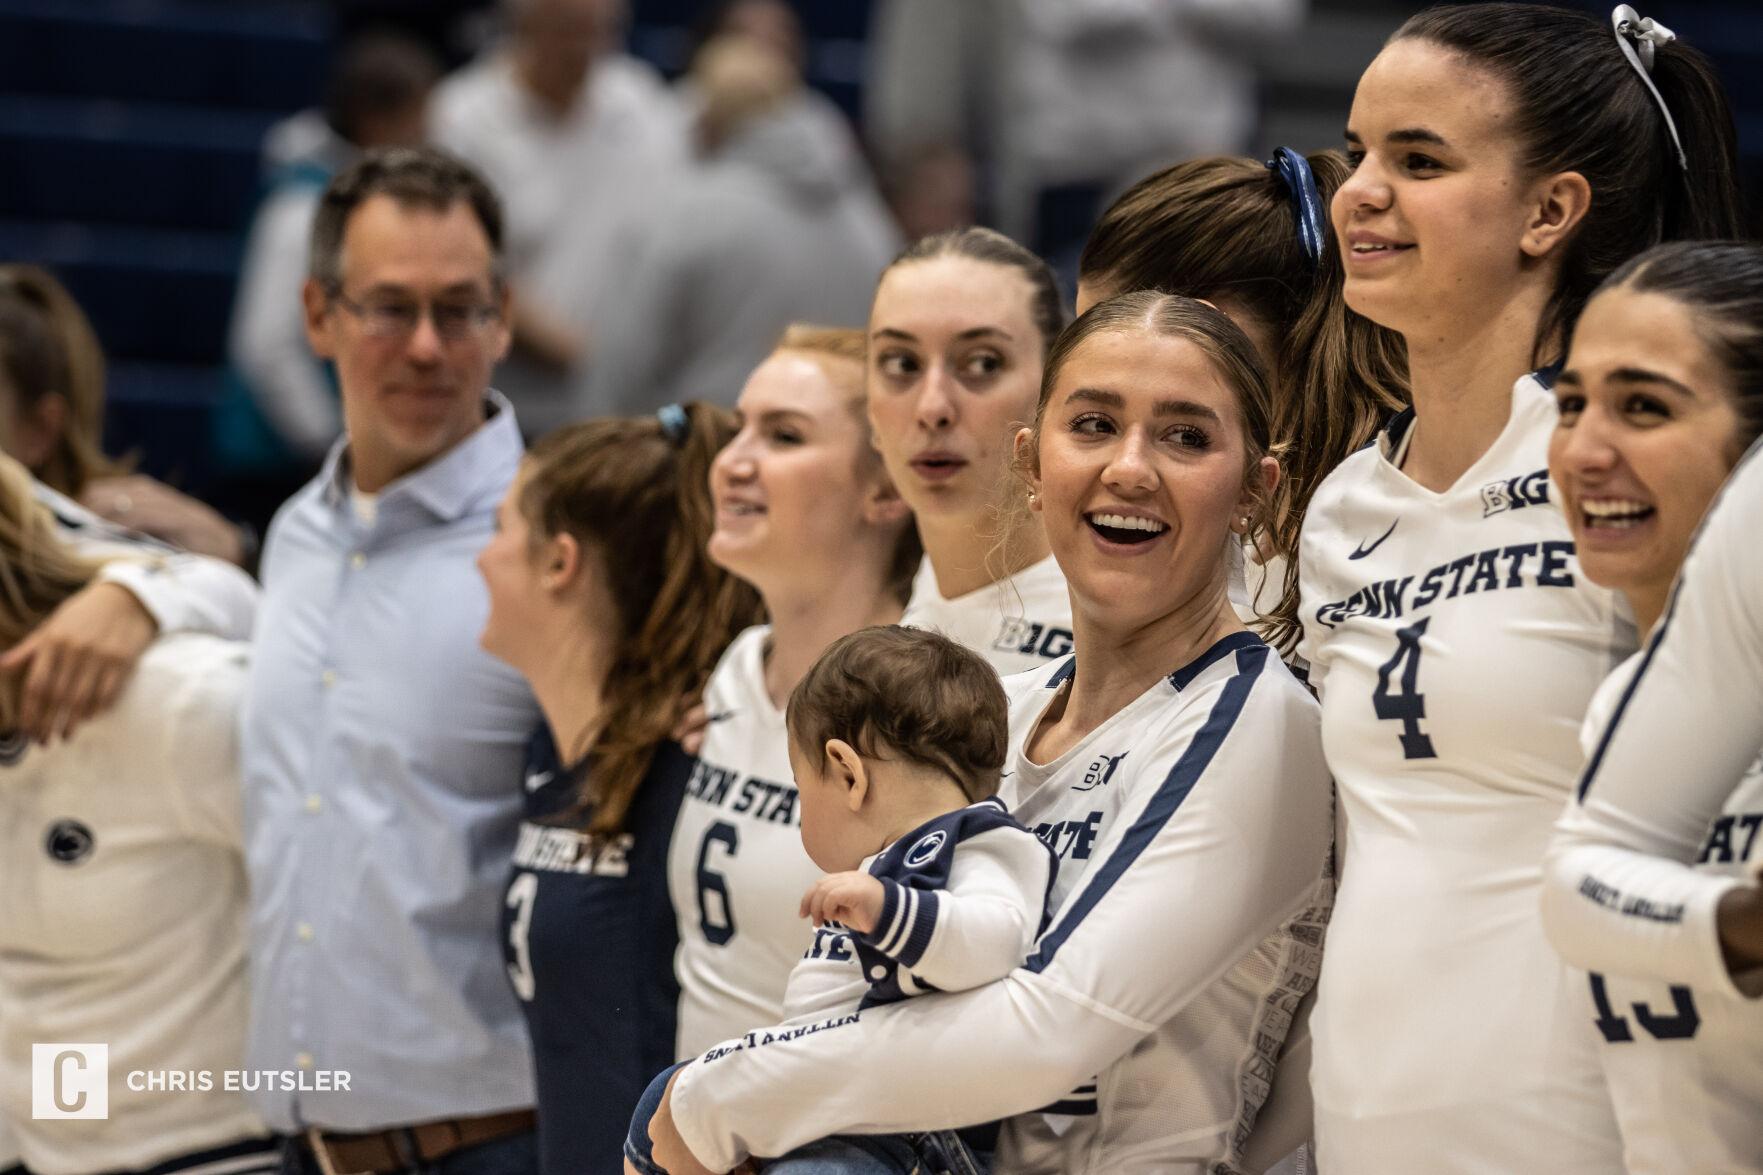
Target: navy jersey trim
<point x="1182" y="777"/>
<point x="1396" y="429"/>
<point x="1658" y="638"/>
<point x="1546" y="375"/>
<point x="1224" y="647"/>
<point x="1062" y="674"/>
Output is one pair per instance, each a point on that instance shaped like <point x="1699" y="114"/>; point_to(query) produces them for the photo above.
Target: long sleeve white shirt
<point x="1193" y="832"/>
<point x="1667" y="819"/>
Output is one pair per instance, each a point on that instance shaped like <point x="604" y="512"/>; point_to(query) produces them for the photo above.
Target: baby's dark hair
<point x="905" y="692"/>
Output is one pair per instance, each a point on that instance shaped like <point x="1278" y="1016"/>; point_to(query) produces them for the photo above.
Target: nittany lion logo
<point x="926" y="848"/>
<point x="69" y="842"/>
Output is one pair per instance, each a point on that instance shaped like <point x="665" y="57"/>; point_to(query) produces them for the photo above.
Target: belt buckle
<point x="320" y="1153"/>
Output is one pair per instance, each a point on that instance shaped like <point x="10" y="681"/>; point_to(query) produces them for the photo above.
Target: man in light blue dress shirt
<point x="381" y="747"/>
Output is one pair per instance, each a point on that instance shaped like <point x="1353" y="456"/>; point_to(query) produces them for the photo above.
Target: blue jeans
<point x="518" y="1154"/>
<point x="938" y="1153"/>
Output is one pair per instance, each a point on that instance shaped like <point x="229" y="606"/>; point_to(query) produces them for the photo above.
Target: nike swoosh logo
<point x="1364" y="549"/>
<point x="538" y="779"/>
<point x="720" y="716"/>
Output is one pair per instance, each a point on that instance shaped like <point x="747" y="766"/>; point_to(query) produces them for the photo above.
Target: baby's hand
<point x="853" y="899"/>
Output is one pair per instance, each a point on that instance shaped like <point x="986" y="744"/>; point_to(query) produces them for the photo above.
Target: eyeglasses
<point x="397" y="319"/>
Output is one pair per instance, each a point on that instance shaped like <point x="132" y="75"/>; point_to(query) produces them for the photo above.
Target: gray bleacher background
<point x="130" y="129"/>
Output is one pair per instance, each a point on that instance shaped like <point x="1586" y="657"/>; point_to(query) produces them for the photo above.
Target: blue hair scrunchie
<point x="1300" y="181"/>
<point x="675" y="424"/>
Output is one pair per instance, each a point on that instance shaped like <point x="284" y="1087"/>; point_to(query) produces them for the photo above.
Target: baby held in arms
<point x="897" y="737"/>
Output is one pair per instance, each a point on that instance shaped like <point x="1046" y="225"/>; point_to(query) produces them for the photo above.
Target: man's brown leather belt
<point x="403" y="1147"/>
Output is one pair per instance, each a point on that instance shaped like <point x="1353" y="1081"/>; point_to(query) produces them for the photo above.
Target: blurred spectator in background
<point x="280" y="414"/>
<point x="1063" y="102"/>
<point x="52" y="415"/>
<point x="933" y="190"/>
<point x="773" y="22"/>
<point x="779" y="222"/>
<point x="581" y="140"/>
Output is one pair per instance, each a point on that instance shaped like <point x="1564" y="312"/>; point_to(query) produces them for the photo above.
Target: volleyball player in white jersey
<point x="1649" y="880"/>
<point x="960" y="326"/>
<point x="804" y="513"/>
<point x="1507" y="156"/>
<point x="122" y="890"/>
<point x="1174" y="765"/>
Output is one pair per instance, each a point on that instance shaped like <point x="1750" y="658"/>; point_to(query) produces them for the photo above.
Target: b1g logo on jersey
<point x="1100" y="772"/>
<point x="1036" y="640"/>
<point x="922" y="852"/>
<point x="1530" y="490"/>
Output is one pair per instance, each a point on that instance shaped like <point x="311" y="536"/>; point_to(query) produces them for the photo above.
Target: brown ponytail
<point x="1222" y="229"/>
<point x="635" y="491"/>
<point x="47" y="347"/>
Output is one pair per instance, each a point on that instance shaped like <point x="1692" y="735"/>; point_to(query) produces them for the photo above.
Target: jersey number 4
<point x="1409" y="706"/>
<point x="719" y="930"/>
<point x="1681" y="1024"/>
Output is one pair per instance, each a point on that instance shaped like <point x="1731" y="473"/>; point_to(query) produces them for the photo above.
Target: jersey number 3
<point x="1409" y="706"/>
<point x="520" y="899"/>
<point x="719" y="930"/>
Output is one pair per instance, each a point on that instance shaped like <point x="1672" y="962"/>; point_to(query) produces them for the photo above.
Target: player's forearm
<point x="1615" y="910"/>
<point x="935" y="1062"/>
<point x="190" y="593"/>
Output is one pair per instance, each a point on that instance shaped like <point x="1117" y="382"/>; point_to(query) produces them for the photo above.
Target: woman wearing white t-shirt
<point x="122" y="889"/>
<point x="804" y="513"/>
<point x="957" y="336"/>
<point x="1506" y="156"/>
<point x="1651" y="877"/>
<point x="1174" y="765"/>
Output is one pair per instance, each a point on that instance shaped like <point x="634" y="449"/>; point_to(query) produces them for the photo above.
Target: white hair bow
<point x="1639" y="38"/>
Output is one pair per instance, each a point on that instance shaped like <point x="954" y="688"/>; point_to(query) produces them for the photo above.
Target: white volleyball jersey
<point x="736" y="867"/>
<point x="1456" y="645"/>
<point x="1192" y="831"/>
<point x="122" y="913"/>
<point x="1016" y="624"/>
<point x="1658" y="833"/>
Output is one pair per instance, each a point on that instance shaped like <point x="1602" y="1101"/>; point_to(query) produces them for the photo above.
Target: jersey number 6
<point x="719" y="930"/>
<point x="1409" y="706"/>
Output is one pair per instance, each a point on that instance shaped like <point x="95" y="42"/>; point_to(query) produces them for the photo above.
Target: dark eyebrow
<point x="1171" y="407"/>
<point x="972" y="332"/>
<point x="1629" y="375"/>
<point x="1640" y="375"/>
<point x="1410" y="134"/>
<point x="1416" y="134"/>
<point x="774" y="415"/>
<point x="402" y="291"/>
